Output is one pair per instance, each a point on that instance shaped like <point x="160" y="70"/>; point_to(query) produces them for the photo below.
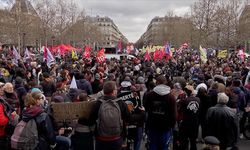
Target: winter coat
<point x="21" y="93"/>
<point x="161" y="108"/>
<point x="189" y="108"/>
<point x="85" y="85"/>
<point x="221" y="122"/>
<point x="125" y="115"/>
<point x="45" y="129"/>
<point x="205" y="104"/>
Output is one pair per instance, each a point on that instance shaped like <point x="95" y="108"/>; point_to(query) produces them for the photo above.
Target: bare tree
<point x="47" y="13"/>
<point x="202" y="13"/>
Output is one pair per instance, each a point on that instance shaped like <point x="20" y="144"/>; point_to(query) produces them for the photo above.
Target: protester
<point x="135" y="80"/>
<point x="189" y="125"/>
<point x="161" y="108"/>
<point x="221" y="122"/>
<point x="107" y="137"/>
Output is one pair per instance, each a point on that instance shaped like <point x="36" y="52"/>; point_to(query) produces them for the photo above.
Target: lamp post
<point x="24" y="34"/>
<point x="52" y="41"/>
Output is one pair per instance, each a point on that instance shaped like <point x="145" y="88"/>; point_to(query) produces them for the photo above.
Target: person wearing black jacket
<point x="162" y="114"/>
<point x="222" y="122"/>
<point x="32" y="110"/>
<point x="110" y="142"/>
<point x="84" y="84"/>
<point x="137" y="117"/>
<point x="21" y="91"/>
<point x="189" y="125"/>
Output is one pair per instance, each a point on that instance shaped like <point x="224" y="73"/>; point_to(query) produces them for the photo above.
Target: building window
<point x="108" y="43"/>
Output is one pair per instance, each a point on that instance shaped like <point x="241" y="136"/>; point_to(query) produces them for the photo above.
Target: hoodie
<point x="161" y="108"/>
<point x="162" y="89"/>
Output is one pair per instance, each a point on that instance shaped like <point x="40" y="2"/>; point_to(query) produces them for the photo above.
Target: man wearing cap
<point x="221" y="122"/>
<point x="211" y="143"/>
<point x="161" y="108"/>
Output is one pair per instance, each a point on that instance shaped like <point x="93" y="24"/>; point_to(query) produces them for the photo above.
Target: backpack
<point x="25" y="135"/>
<point x="109" y="121"/>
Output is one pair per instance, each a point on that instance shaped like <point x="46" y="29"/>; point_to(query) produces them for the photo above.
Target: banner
<point x="101" y="56"/>
<point x="86" y="53"/>
<point x="70" y="112"/>
<point x="222" y="54"/>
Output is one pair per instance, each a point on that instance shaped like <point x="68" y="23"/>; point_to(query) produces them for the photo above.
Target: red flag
<point x="86" y="53"/>
<point x="156" y="54"/>
<point x="161" y="54"/>
<point x="101" y="56"/>
<point x="147" y="56"/>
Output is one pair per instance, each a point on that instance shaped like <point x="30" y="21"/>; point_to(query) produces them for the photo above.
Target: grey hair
<point x="222" y="98"/>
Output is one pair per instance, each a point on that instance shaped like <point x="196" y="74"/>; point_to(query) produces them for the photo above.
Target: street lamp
<point x="24" y="41"/>
<point x="52" y="41"/>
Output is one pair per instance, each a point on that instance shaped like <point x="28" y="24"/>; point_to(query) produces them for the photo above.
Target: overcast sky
<point x="133" y="16"/>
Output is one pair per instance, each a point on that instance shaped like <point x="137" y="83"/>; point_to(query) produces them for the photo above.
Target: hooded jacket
<point x="44" y="126"/>
<point x="161" y="108"/>
<point x="85" y="85"/>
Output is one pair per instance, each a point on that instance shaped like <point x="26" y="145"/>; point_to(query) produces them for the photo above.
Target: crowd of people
<point x="165" y="101"/>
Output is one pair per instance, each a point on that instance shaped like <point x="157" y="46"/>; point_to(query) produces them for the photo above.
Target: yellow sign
<point x="222" y="54"/>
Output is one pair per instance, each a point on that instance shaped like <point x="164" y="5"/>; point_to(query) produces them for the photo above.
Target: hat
<point x="202" y="85"/>
<point x="126" y="84"/>
<point x="33" y="90"/>
<point x="211" y="140"/>
<point x="140" y="80"/>
<point x="8" y="87"/>
<point x="127" y="78"/>
<point x="97" y="76"/>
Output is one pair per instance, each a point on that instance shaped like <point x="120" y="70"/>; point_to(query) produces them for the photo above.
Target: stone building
<point x="20" y="25"/>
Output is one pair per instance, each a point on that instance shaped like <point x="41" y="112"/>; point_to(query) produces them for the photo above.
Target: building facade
<point x="176" y="30"/>
<point x="20" y="25"/>
<point x="244" y="26"/>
